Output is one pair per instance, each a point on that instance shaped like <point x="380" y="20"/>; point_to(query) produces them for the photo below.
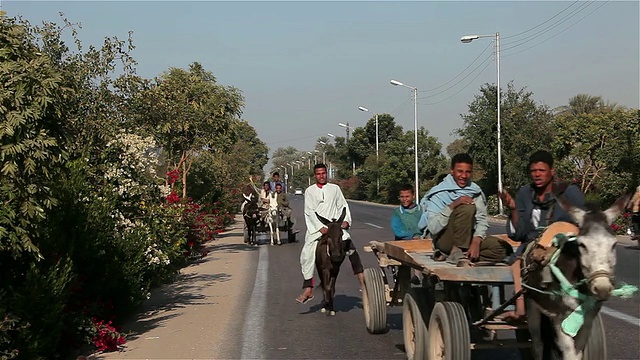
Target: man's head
<point x="406" y="195"/>
<point x="278" y="188"/>
<point x="320" y="173"/>
<point x="266" y="186"/>
<point x="541" y="169"/>
<point x="461" y="169"/>
<point x="276" y="176"/>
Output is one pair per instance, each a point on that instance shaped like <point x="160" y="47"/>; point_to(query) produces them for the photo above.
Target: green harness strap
<point x="573" y="323"/>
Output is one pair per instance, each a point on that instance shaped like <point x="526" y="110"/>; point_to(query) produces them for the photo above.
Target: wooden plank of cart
<point x="450" y="312"/>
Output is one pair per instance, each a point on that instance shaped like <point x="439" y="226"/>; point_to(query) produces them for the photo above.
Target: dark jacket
<point x="526" y="201"/>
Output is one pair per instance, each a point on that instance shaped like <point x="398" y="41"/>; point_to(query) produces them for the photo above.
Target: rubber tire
<point x="414" y="329"/>
<point x="449" y="320"/>
<point x="374" y="302"/>
<point x="596" y="348"/>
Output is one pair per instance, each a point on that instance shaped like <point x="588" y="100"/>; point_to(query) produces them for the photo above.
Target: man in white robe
<point x="328" y="201"/>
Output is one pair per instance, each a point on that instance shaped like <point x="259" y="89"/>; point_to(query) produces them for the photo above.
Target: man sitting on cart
<point x="404" y="221"/>
<point x="535" y="206"/>
<point x="265" y="195"/>
<point x="457" y="218"/>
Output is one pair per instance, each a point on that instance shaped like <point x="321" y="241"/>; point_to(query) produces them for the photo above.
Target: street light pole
<point x="415" y="129"/>
<point x="361" y="108"/>
<point x="468" y="39"/>
<point x="347" y="128"/>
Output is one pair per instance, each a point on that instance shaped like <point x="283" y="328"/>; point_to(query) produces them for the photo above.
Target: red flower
<point x="173" y="198"/>
<point x="173" y="175"/>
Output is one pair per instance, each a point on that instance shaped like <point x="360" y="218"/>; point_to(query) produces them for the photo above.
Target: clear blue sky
<point x="305" y="66"/>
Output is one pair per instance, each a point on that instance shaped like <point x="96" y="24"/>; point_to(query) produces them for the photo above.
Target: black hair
<point x="278" y="184"/>
<point x="319" y="166"/>
<point x="461" y="158"/>
<point x="541" y="156"/>
<point x="276" y="173"/>
<point x="266" y="183"/>
<point x="407" y="187"/>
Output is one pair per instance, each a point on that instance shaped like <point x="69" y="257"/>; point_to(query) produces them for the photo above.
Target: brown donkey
<point x="329" y="256"/>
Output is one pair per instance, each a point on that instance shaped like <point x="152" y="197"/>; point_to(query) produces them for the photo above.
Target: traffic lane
<point x="621" y="336"/>
<point x="295" y="331"/>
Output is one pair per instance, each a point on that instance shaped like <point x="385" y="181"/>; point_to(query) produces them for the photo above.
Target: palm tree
<point x="586" y="104"/>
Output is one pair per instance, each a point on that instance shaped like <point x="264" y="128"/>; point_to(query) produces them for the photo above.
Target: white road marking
<point x="374" y="225"/>
<point x="620" y="316"/>
<point x="253" y="334"/>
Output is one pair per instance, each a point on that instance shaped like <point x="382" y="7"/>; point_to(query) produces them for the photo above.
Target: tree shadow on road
<point x="166" y="302"/>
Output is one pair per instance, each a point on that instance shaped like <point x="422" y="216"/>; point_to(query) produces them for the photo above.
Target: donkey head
<point x="334" y="236"/>
<point x="597" y="244"/>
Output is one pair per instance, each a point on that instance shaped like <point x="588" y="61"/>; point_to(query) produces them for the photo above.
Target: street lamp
<point x="468" y="39"/>
<point x="361" y="108"/>
<point x="415" y="126"/>
<point x="322" y="143"/>
<point x="347" y="128"/>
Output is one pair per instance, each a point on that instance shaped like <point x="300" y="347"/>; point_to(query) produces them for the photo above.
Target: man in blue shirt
<point x="404" y="221"/>
<point x="276" y="180"/>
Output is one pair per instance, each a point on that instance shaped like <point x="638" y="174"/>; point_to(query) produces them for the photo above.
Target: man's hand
<point x="508" y="200"/>
<point x="345" y="225"/>
<point x="323" y="230"/>
<point x="474" y="249"/>
<point x="463" y="200"/>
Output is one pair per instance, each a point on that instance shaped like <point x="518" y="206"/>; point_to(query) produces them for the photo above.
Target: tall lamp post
<point x="468" y="39"/>
<point x="361" y="108"/>
<point x="347" y="128"/>
<point x="330" y="165"/>
<point x="322" y="143"/>
<point x="415" y="126"/>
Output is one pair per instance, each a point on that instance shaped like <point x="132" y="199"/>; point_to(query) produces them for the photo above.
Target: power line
<point x="565" y="29"/>
<point x="459" y="81"/>
<point x="459" y="91"/>
<point x="554" y="25"/>
<point x="542" y="23"/>
<point x="465" y="69"/>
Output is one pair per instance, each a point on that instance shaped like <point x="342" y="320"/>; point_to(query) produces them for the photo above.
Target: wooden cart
<point x="453" y="310"/>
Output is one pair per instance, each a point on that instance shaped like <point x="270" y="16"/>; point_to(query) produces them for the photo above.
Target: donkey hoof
<point x="332" y="313"/>
<point x="323" y="310"/>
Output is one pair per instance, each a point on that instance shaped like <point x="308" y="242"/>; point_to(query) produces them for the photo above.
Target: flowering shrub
<point x="107" y="337"/>
<point x="622" y="224"/>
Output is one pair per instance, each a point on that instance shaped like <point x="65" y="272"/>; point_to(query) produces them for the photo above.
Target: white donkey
<point x="563" y="309"/>
<point x="270" y="217"/>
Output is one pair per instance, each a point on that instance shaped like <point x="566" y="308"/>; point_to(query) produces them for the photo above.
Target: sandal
<point x="305" y="300"/>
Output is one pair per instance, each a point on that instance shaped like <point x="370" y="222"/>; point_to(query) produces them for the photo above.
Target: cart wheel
<point x="449" y="337"/>
<point x="374" y="301"/>
<point x="414" y="329"/>
<point x="597" y="344"/>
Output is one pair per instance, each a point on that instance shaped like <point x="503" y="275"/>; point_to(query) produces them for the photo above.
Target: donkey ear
<point x="322" y="220"/>
<point x="576" y="213"/>
<point x="618" y="207"/>
<point x="344" y="213"/>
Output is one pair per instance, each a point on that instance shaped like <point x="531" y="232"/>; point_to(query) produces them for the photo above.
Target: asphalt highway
<point x="275" y="326"/>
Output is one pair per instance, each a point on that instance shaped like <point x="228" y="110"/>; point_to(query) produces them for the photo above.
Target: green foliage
<point x="525" y="126"/>
<point x="30" y="105"/>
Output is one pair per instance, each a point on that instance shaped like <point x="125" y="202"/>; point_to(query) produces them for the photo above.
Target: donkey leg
<point x="326" y="290"/>
<point x="566" y="344"/>
<point x="534" y="321"/>
<point x="271" y="232"/>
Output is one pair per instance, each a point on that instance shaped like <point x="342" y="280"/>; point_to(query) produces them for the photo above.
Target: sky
<point x="305" y="66"/>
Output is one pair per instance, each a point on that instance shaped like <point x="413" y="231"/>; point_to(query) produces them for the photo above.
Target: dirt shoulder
<point x="198" y="315"/>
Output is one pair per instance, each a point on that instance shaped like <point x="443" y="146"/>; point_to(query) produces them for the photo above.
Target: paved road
<point x="276" y="327"/>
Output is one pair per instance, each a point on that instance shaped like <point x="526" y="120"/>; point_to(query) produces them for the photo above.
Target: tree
<point x="526" y="127"/>
<point x="190" y="112"/>
<point x="598" y="158"/>
<point x="458" y="146"/>
<point x="587" y="104"/>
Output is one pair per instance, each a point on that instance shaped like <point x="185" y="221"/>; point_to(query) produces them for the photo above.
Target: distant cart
<point x="454" y="310"/>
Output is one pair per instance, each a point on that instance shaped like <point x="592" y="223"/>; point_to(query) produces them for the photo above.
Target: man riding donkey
<point x="326" y="200"/>
<point x="456" y="214"/>
<point x="283" y="205"/>
<point x="535" y="208"/>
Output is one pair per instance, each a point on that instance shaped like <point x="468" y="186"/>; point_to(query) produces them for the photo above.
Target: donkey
<point x="269" y="217"/>
<point x="330" y="254"/>
<point x="588" y="263"/>
<point x="251" y="213"/>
